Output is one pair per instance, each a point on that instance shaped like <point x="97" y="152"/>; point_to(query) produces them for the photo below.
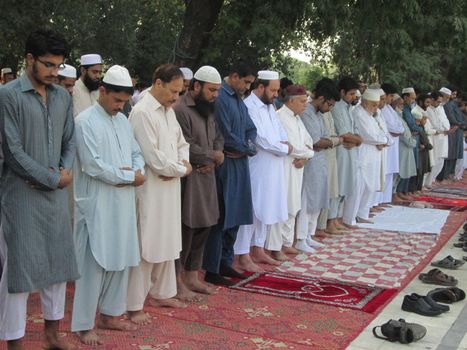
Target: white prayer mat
<point x="407" y="219"/>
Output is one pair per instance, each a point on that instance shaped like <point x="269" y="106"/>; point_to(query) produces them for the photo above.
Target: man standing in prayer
<point x="158" y="201"/>
<point x="232" y="176"/>
<point x="441" y="125"/>
<point x="370" y="153"/>
<point x="200" y="209"/>
<point x="347" y="154"/>
<point x="67" y="78"/>
<point x="86" y="92"/>
<point x="267" y="173"/>
<point x="6" y="75"/>
<point x="315" y="189"/>
<point x="281" y="235"/>
<point x="396" y="129"/>
<point x="108" y="167"/>
<point x="187" y="76"/>
<point x="36" y="241"/>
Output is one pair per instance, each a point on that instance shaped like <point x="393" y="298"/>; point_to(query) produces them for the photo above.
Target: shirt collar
<point x="255" y="99"/>
<point x="101" y="110"/>
<point x="289" y="112"/>
<point x="26" y="84"/>
<point x="189" y="99"/>
<point x="228" y="88"/>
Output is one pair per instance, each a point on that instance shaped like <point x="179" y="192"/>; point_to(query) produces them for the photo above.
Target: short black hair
<point x="284" y="82"/>
<point x="347" y="84"/>
<point x="45" y="41"/>
<point x="117" y="89"/>
<point x="192" y="84"/>
<point x="389" y="88"/>
<point x="259" y="82"/>
<point x="422" y="97"/>
<point x="243" y="69"/>
<point x="435" y="95"/>
<point x="167" y="72"/>
<point x="327" y="90"/>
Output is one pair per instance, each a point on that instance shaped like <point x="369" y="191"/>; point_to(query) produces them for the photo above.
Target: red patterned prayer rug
<point x="449" y="202"/>
<point x="329" y="292"/>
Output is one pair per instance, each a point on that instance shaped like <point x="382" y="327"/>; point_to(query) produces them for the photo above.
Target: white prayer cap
<point x="446" y="91"/>
<point x="381" y="92"/>
<point x="268" y="75"/>
<point x="68" y="71"/>
<point x="395" y="97"/>
<point x="6" y="71"/>
<point x="208" y="74"/>
<point x="418" y="112"/>
<point x="91" y="59"/>
<point x="118" y="76"/>
<point x="358" y="93"/>
<point x="187" y="73"/>
<point x="408" y="90"/>
<point x="371" y="95"/>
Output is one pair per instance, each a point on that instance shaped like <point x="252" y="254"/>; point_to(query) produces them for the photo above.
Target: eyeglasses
<point x="50" y="65"/>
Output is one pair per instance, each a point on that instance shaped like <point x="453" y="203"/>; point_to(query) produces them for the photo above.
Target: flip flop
<point x="447" y="295"/>
<point x="448" y="263"/>
<point x="437" y="276"/>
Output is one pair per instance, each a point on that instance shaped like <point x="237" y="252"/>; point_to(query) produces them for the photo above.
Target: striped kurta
<point x="38" y="139"/>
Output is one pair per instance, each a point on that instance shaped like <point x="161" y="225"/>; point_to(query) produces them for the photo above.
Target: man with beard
<point x="166" y="154"/>
<point x="86" y="91"/>
<point x="315" y="191"/>
<point x="67" y="78"/>
<point x="36" y="242"/>
<point x="200" y="210"/>
<point x="267" y="173"/>
<point x="232" y="176"/>
<point x="108" y="167"/>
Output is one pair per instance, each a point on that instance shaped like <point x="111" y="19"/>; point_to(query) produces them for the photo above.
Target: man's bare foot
<point x="139" y="317"/>
<point x="290" y="250"/>
<point x="184" y="293"/>
<point x="112" y="322"/>
<point x="364" y="221"/>
<point x="279" y="256"/>
<point x="351" y="227"/>
<point x="320" y="234"/>
<point x="340" y="226"/>
<point x="170" y="302"/>
<point x="259" y="256"/>
<point x="89" y="338"/>
<point x="246" y="264"/>
<point x="52" y="341"/>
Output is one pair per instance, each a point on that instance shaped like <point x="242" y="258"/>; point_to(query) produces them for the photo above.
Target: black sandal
<point x="400" y="331"/>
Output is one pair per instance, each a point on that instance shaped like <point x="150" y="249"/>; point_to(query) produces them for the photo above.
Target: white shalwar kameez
<point x="283" y="233"/>
<point x="440" y="124"/>
<point x="370" y="158"/>
<point x="268" y="185"/>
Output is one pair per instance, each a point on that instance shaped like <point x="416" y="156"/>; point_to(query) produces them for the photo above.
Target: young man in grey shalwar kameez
<point x="36" y="245"/>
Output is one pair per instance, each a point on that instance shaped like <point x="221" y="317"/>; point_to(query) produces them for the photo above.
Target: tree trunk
<point x="199" y="21"/>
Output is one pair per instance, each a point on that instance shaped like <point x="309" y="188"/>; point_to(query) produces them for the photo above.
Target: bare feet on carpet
<point x="193" y="283"/>
<point x="89" y="338"/>
<point x="259" y="256"/>
<point x="185" y="293"/>
<point x="364" y="221"/>
<point x="52" y="340"/>
<point x="332" y="229"/>
<point x="113" y="323"/>
<point x="170" y="302"/>
<point x="279" y="256"/>
<point x="320" y="234"/>
<point x="139" y="317"/>
<point x="245" y="263"/>
<point x="351" y="227"/>
<point x="290" y="250"/>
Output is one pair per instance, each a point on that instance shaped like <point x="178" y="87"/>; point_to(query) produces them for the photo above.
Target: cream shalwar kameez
<point x="82" y="97"/>
<point x="283" y="233"/>
<point x="158" y="202"/>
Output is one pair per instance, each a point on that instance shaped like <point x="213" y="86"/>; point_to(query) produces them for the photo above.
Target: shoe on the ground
<point x="448" y="262"/>
<point x="314" y="244"/>
<point x="302" y="246"/>
<point x="229" y="271"/>
<point x="419" y="306"/>
<point x="217" y="279"/>
<point x="447" y="295"/>
<point x="434" y="305"/>
<point x="400" y="331"/>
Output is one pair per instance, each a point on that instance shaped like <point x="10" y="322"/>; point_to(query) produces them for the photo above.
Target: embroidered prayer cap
<point x="446" y="91"/>
<point x="187" y="73"/>
<point x="418" y="112"/>
<point x="268" y="75"/>
<point x="408" y="90"/>
<point x="6" y="70"/>
<point x="118" y="76"/>
<point x="91" y="59"/>
<point x="68" y="71"/>
<point x="208" y="74"/>
<point x="371" y="95"/>
<point x="295" y="90"/>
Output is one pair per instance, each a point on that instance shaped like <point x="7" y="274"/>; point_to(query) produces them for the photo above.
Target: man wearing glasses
<point x="36" y="242"/>
<point x="86" y="92"/>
